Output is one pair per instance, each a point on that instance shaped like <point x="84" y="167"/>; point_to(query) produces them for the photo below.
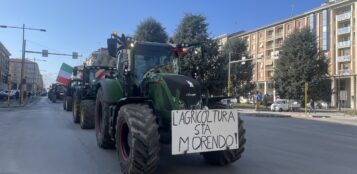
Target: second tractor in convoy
<point x="83" y="95"/>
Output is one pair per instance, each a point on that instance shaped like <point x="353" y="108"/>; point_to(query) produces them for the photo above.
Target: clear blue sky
<point x="83" y="26"/>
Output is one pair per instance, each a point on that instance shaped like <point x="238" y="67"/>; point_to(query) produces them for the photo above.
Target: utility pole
<point x="9" y="88"/>
<point x="22" y="66"/>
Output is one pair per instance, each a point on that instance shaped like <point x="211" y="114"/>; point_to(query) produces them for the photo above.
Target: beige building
<point x="34" y="81"/>
<point x="4" y="66"/>
<point x="334" y="24"/>
<point x="100" y="57"/>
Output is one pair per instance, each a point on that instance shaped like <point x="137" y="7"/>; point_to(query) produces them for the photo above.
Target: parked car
<point x="285" y="105"/>
<point x="3" y="95"/>
<point x="6" y="93"/>
<point x="227" y="102"/>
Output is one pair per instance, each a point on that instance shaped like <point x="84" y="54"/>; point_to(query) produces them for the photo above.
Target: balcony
<point x="343" y="16"/>
<point x="343" y="59"/>
<point x="270" y="37"/>
<point x="344" y="44"/>
<point x="344" y="30"/>
<point x="344" y="72"/>
<point x="278" y="35"/>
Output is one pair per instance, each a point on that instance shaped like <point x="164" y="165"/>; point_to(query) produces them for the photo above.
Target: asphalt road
<point x="41" y="138"/>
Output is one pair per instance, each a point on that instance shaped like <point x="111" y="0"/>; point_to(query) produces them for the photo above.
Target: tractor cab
<point x="145" y="58"/>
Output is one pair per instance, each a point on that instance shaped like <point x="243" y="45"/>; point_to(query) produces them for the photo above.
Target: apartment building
<point x="34" y="80"/>
<point x="334" y="24"/>
<point x="4" y="66"/>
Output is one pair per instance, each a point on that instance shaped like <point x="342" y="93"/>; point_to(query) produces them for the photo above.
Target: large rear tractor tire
<point x="76" y="109"/>
<point x="68" y="103"/>
<point x="87" y="114"/>
<point x="137" y="139"/>
<point x="221" y="158"/>
<point x="102" y="122"/>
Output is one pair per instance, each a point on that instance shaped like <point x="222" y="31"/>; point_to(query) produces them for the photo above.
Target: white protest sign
<point x="195" y="131"/>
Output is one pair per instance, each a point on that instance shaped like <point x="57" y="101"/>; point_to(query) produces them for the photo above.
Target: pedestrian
<point x="312" y="106"/>
<point x="258" y="99"/>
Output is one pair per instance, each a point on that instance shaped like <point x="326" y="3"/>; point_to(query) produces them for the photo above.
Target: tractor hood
<point x="186" y="88"/>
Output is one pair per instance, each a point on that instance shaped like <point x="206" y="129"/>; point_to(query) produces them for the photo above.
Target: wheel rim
<point x="124" y="141"/>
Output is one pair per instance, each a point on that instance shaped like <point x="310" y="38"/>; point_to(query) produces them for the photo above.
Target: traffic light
<point x="44" y="53"/>
<point x="75" y="55"/>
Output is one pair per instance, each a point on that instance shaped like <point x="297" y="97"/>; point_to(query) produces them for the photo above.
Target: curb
<point x="266" y="115"/>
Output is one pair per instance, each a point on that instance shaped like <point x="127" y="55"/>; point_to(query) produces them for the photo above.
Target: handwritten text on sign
<point x="195" y="131"/>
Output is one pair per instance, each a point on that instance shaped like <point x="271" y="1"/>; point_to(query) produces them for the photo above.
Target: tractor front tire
<point x="76" y="108"/>
<point x="102" y="122"/>
<point x="87" y="114"/>
<point x="222" y="158"/>
<point x="137" y="139"/>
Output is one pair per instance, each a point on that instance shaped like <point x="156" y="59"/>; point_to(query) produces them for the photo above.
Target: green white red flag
<point x="64" y="74"/>
<point x="100" y="74"/>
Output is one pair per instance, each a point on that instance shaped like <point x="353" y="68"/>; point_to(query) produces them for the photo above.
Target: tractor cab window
<point x="91" y="77"/>
<point x="147" y="57"/>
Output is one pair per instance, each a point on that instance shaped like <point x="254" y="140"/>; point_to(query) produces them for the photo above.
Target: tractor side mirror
<point x="112" y="47"/>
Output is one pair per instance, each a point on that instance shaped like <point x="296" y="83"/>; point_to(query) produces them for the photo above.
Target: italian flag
<point x="65" y="74"/>
<point x="100" y="74"/>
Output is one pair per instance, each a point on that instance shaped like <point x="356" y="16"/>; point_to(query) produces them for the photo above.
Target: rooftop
<point x="2" y="47"/>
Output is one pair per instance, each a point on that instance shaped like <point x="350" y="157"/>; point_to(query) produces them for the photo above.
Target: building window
<point x="261" y="85"/>
<point x="312" y="22"/>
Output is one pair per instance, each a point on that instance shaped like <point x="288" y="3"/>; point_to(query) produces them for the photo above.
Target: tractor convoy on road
<point x="143" y="102"/>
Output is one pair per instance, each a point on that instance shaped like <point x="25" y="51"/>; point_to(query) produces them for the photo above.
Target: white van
<point x="285" y="105"/>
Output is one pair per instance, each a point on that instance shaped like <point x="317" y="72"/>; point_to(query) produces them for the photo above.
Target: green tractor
<point x="150" y="104"/>
<point x="84" y="94"/>
<point x="70" y="88"/>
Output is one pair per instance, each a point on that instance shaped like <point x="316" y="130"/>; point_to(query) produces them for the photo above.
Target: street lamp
<point x="23" y="28"/>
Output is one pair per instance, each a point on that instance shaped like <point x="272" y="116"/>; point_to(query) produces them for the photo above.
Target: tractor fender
<point x="112" y="90"/>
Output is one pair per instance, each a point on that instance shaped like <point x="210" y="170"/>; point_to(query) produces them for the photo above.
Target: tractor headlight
<point x="198" y="105"/>
<point x="179" y="103"/>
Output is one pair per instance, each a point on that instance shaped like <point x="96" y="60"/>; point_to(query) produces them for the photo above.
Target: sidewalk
<point x="333" y="116"/>
<point x="16" y="103"/>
